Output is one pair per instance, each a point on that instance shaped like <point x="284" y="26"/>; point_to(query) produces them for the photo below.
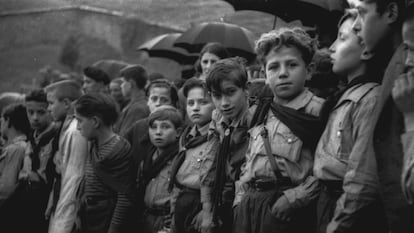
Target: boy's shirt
<point x="293" y="161"/>
<point x="70" y="158"/>
<point x="134" y="111"/>
<point x="197" y="160"/>
<point x="11" y="161"/>
<point x="343" y="153"/>
<point x="238" y="146"/>
<point x="408" y="170"/>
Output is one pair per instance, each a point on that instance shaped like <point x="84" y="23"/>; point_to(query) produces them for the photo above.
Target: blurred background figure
<point x="95" y="80"/>
<point x="116" y="92"/>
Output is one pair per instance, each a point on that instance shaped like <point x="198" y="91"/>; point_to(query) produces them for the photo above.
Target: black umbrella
<point x="239" y="41"/>
<point x="163" y="46"/>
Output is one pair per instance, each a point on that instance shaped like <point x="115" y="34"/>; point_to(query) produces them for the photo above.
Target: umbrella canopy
<point x="163" y="46"/>
<point x="110" y="67"/>
<point x="310" y="12"/>
<point x="238" y="40"/>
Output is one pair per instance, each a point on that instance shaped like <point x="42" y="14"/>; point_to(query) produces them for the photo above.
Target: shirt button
<point x="338" y="134"/>
<point x="198" y="160"/>
<point x="290" y="140"/>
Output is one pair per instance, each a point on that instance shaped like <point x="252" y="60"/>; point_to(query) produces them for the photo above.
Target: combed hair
<point x="16" y="115"/>
<point x="98" y="105"/>
<point x="66" y="89"/>
<point x="230" y="69"/>
<point x="165" y="83"/>
<point x="193" y="83"/>
<point x="136" y="73"/>
<point x="165" y="113"/>
<point x="37" y="95"/>
<point x="97" y="74"/>
<point x="290" y="37"/>
<point x="402" y="9"/>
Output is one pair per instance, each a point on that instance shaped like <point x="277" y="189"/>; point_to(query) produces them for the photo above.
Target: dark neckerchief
<point x="152" y="168"/>
<point x="43" y="139"/>
<point x="186" y="142"/>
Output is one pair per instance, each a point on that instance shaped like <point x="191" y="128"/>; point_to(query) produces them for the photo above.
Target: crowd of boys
<point x="119" y="156"/>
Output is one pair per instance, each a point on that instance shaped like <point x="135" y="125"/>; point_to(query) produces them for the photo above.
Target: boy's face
<point x="38" y="115"/>
<point x="91" y="86"/>
<point x="408" y="40"/>
<point x="116" y="91"/>
<point x="158" y="96"/>
<point x="207" y="61"/>
<point x="199" y="106"/>
<point x="370" y="25"/>
<point x="286" y="73"/>
<point x="57" y="108"/>
<point x="231" y="101"/>
<point x="162" y="133"/>
<point x="126" y="88"/>
<point x="346" y="51"/>
<point x="86" y="126"/>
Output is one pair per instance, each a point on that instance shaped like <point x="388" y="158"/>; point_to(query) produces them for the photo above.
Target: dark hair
<point x="193" y="83"/>
<point x="155" y="76"/>
<point x="37" y="95"/>
<point x="215" y="48"/>
<point x="136" y="73"/>
<point x="410" y="11"/>
<point x="165" y="83"/>
<point x="164" y="113"/>
<point x="100" y="105"/>
<point x="382" y="6"/>
<point x="16" y="115"/>
<point x="231" y="69"/>
<point x="291" y="37"/>
<point x="97" y="74"/>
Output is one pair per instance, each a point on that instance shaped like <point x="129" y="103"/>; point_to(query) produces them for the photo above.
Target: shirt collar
<point x="300" y="101"/>
<point x="203" y="130"/>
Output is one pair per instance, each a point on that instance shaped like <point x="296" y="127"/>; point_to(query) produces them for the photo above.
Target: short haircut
<point x="349" y="14"/>
<point x="155" y="76"/>
<point x="215" y="48"/>
<point x="410" y="12"/>
<point x="117" y="81"/>
<point x="66" y="89"/>
<point x="164" y="83"/>
<point x="382" y="6"/>
<point x="37" y="95"/>
<point x="165" y="113"/>
<point x="194" y="83"/>
<point x="229" y="69"/>
<point x="136" y="73"/>
<point x="98" y="105"/>
<point x="290" y="37"/>
<point x="97" y="74"/>
<point x="16" y="115"/>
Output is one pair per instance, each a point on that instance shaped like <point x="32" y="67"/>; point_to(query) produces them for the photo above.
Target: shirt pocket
<point x="341" y="137"/>
<point x="286" y="144"/>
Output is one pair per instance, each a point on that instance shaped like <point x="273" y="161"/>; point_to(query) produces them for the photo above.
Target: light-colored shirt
<point x="408" y="170"/>
<point x="156" y="192"/>
<point x="197" y="161"/>
<point x="344" y="152"/>
<point x="11" y="161"/>
<point x="70" y="158"/>
<point x="293" y="160"/>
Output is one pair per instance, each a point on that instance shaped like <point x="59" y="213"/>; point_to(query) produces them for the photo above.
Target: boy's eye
<point x="190" y="102"/>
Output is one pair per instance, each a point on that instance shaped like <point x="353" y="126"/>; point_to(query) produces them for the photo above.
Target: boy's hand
<point x="207" y="223"/>
<point x="282" y="209"/>
<point x="403" y="94"/>
<point x="197" y="221"/>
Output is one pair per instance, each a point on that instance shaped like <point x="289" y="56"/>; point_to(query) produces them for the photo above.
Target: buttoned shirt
<point x="238" y="146"/>
<point x="197" y="161"/>
<point x="11" y="161"/>
<point x="343" y="152"/>
<point x="156" y="192"/>
<point x="408" y="170"/>
<point x="70" y="162"/>
<point x="293" y="160"/>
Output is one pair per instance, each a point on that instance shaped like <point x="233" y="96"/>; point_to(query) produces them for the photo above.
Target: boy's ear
<point x="310" y="70"/>
<point x="179" y="131"/>
<point x="96" y="122"/>
<point x="392" y="12"/>
<point x="67" y="103"/>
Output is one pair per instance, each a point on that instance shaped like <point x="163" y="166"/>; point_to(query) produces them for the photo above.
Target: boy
<point x="379" y="25"/>
<point x="116" y="92"/>
<point x="276" y="188"/>
<point x="36" y="175"/>
<point x="133" y="88"/>
<point x="70" y="158"/>
<point x="15" y="127"/>
<point x="349" y="200"/>
<point x="191" y="164"/>
<point x="164" y="130"/>
<point x="403" y="93"/>
<point x="227" y="84"/>
<point x="95" y="80"/>
<point x="108" y="178"/>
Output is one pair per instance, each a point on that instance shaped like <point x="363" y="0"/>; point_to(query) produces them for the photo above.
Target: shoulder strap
<point x="268" y="149"/>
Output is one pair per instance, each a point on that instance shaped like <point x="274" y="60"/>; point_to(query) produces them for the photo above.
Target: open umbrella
<point x="238" y="40"/>
<point x="163" y="46"/>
